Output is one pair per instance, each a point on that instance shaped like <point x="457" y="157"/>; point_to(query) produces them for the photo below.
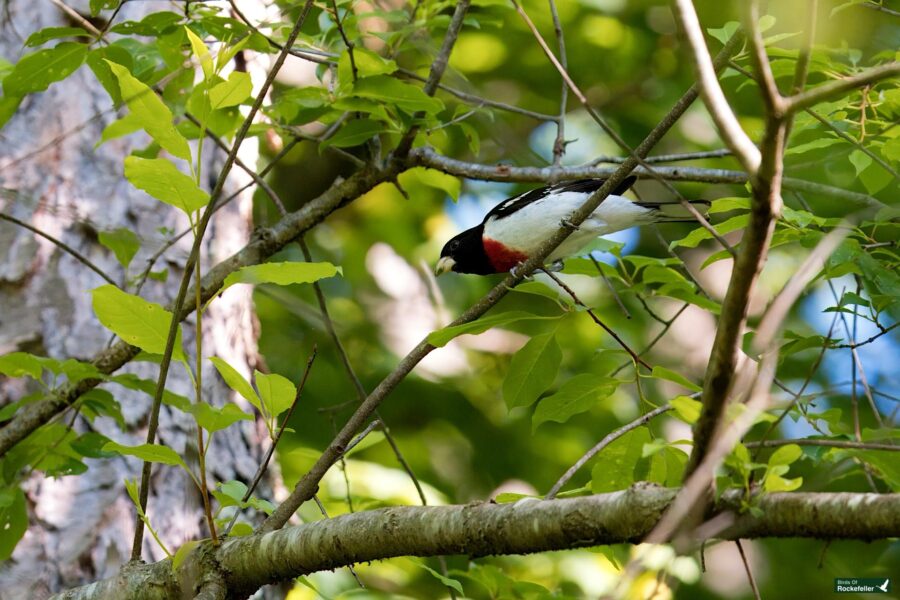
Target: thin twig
<point x="61" y="245"/>
<point x="597" y="320"/>
<point x="153" y="423"/>
<point x="261" y="470"/>
<point x="749" y="571"/>
<point x="732" y="133"/>
<point x="597" y="448"/>
<point x="826" y="443"/>
<point x="829" y="90"/>
<point x="559" y="145"/>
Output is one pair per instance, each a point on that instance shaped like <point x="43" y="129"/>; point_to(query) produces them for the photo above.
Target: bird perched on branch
<point x="515" y="228"/>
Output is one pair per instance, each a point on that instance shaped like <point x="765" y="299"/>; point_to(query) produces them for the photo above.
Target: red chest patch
<point x="503" y="258"/>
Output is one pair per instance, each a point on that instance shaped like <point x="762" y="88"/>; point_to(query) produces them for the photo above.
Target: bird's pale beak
<point x="444" y="265"/>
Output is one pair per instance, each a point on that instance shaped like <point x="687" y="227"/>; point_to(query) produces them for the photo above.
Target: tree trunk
<point x="53" y="178"/>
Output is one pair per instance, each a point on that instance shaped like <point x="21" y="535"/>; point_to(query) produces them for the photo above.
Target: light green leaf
<point x="135" y="320"/>
<point x="231" y="92"/>
<point x="17" y="364"/>
<point x="721" y="205"/>
<point x="215" y="419"/>
<point x="277" y="392"/>
<point x="785" y="455"/>
<point x="432" y="178"/>
<point x="693" y="239"/>
<point x="236" y="381"/>
<point x="532" y="370"/>
<point x="153" y="115"/>
<point x="441" y="337"/>
<point x="687" y="409"/>
<point x="618" y="462"/>
<point x="36" y="71"/>
<point x="282" y="273"/>
<point x="118" y="128"/>
<point x="816" y="144"/>
<point x="576" y="395"/>
<point x="155" y="453"/>
<point x="123" y="242"/>
<point x="162" y="180"/>
<point x="355" y="133"/>
<point x="724" y="33"/>
<point x="183" y="552"/>
<point x="202" y="53"/>
<point x="406" y="97"/>
<point x="669" y="375"/>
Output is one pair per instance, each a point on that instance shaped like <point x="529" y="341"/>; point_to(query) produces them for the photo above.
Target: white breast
<point x="525" y="229"/>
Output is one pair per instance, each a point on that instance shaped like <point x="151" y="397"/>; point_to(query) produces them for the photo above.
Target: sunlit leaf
<point x="135" y="320"/>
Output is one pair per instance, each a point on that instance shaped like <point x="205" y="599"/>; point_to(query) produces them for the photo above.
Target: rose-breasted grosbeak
<point x="515" y="228"/>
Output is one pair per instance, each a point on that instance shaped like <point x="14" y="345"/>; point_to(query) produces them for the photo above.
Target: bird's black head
<point x="464" y="253"/>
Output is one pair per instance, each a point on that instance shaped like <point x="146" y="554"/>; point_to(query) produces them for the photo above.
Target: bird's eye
<point x="454" y="244"/>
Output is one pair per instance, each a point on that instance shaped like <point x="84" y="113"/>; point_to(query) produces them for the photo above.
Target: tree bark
<point x="54" y="179"/>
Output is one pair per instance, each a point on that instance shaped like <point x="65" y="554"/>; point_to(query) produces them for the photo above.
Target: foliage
<point x="513" y="409"/>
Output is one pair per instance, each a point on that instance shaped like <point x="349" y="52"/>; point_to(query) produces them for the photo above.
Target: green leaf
<point x="183" y="552"/>
<point x="154" y="116"/>
<point x="404" y="96"/>
<point x="532" y="370"/>
<point x="282" y="273"/>
<point x="693" y="239"/>
<point x="368" y="63"/>
<point x="447" y="581"/>
<point x="618" y="462"/>
<point x="135" y="320"/>
<point x="231" y="92"/>
<point x="202" y="53"/>
<point x="230" y="493"/>
<point x="785" y="455"/>
<point x="441" y="337"/>
<point x="17" y="364"/>
<point x="155" y="453"/>
<point x="51" y="33"/>
<point x="277" y="392"/>
<point x="215" y="419"/>
<point x="13" y="520"/>
<point x="724" y="33"/>
<point x="816" y="144"/>
<point x="687" y="409"/>
<point x="35" y="72"/>
<point x="355" y="133"/>
<point x="162" y="180"/>
<point x="123" y="242"/>
<point x="432" y="178"/>
<point x="885" y="464"/>
<point x="669" y="375"/>
<point x="576" y="395"/>
<point x="236" y="381"/>
<point x="721" y="205"/>
<point x="118" y="128"/>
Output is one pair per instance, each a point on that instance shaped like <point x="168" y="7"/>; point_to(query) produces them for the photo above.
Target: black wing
<point x="586" y="186"/>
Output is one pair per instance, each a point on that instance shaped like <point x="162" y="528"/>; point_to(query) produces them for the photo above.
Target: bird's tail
<point x="674" y="212"/>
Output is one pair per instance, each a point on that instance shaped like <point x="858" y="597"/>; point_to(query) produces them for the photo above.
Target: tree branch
<point x="732" y="133"/>
<point x="483" y="529"/>
<point x="840" y="87"/>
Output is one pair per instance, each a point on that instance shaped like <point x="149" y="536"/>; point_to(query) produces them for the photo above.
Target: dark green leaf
<point x="532" y="370"/>
<point x="35" y="72"/>
<point x="578" y="394"/>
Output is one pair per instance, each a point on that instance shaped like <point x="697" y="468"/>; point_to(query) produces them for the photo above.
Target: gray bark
<point x="482" y="529"/>
<point x="53" y="178"/>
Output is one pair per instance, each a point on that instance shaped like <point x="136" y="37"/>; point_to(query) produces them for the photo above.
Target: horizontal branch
<point x="839" y="87"/>
<point x="483" y="529"/>
<point x="427" y="157"/>
<point x="825" y="443"/>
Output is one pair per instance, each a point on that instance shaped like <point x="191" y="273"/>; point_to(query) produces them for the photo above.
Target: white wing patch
<point x="525" y="229"/>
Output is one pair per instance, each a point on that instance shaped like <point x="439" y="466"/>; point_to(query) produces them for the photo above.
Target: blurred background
<point x="449" y="418"/>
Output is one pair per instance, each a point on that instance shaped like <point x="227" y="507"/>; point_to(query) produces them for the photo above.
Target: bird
<point x="514" y="229"/>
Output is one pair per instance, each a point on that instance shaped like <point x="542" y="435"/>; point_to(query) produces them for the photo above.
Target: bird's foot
<point x="568" y="225"/>
<point x="516" y="271"/>
<point x="556" y="266"/>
